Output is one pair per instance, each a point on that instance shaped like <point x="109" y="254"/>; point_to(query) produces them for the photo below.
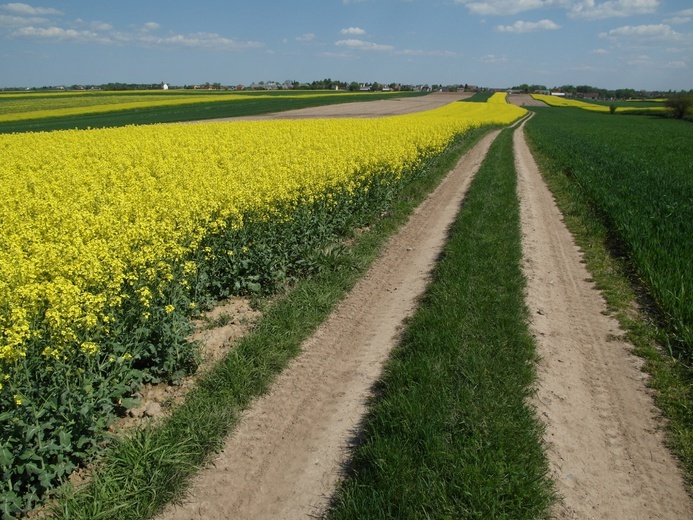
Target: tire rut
<point x="286" y="456"/>
<point x="603" y="434"/>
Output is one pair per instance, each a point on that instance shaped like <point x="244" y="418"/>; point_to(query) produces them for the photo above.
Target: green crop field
<point x="637" y="174"/>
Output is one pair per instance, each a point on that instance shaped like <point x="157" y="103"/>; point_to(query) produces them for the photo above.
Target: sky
<point x="639" y="44"/>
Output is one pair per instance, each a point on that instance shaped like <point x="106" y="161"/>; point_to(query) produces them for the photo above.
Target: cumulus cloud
<point x="305" y="37"/>
<point x="676" y="65"/>
<point x="679" y="19"/>
<point x="526" y="27"/>
<point x="600" y="51"/>
<point x="27" y="25"/>
<point x="659" y="32"/>
<point x="101" y="26"/>
<point x="59" y="34"/>
<point x="21" y="21"/>
<point x="502" y="7"/>
<point x="27" y="10"/>
<point x="201" y="40"/>
<point x="363" y="45"/>
<point x="353" y="30"/>
<point x="584" y="9"/>
<point x="591" y="10"/>
<point x="492" y="58"/>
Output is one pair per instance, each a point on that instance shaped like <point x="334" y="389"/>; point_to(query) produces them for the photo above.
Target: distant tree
<point x="354" y="87"/>
<point x="679" y="104"/>
<point x="375" y="86"/>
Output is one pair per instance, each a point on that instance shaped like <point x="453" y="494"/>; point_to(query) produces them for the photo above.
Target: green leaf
<point x="6" y="457"/>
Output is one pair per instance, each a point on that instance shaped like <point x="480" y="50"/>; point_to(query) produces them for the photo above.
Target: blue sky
<point x="640" y="44"/>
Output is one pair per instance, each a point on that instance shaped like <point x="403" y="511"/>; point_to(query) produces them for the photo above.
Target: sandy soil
<point x="524" y="100"/>
<point x="603" y="436"/>
<point x="603" y="433"/>
<point x="379" y="108"/>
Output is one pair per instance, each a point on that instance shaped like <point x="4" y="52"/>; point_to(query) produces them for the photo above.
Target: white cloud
<point x="502" y="7"/>
<point x="640" y="60"/>
<point x="591" y="10"/>
<point x="492" y="58"/>
<point x="526" y="27"/>
<point x="305" y="37"/>
<point x="585" y="9"/>
<point x="27" y="10"/>
<point x="676" y="65"/>
<point x="7" y="20"/>
<point x="57" y="33"/>
<point x="600" y="51"/>
<point x="104" y="33"/>
<point x="101" y="26"/>
<point x="436" y="54"/>
<point x="363" y="45"/>
<point x="201" y="40"/>
<point x="679" y="19"/>
<point x="649" y="32"/>
<point x="353" y="31"/>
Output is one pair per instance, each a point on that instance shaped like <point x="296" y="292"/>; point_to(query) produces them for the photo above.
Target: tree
<point x="679" y="104"/>
<point x="354" y="87"/>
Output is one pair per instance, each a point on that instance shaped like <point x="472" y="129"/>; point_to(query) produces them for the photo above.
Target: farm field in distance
<point x="70" y="110"/>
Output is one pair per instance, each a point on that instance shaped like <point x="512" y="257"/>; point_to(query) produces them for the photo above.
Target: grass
<point x="253" y="105"/>
<point x="479" y="97"/>
<point x="138" y="475"/>
<point x="451" y="433"/>
<point x="626" y="295"/>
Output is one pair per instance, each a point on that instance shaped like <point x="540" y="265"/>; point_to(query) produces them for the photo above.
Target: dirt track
<point x="603" y="437"/>
<point x="284" y="459"/>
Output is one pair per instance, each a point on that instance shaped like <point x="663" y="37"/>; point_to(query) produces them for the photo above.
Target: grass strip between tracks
<point x="137" y="476"/>
<point x="452" y="433"/>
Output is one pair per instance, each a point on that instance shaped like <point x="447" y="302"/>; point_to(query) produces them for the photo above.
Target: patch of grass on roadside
<point x="138" y="475"/>
<point x="671" y="376"/>
<point x="451" y="433"/>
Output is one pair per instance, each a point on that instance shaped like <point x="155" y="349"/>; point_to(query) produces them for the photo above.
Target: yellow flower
<point x="17" y="399"/>
<point x="89" y="347"/>
<point x="169" y="309"/>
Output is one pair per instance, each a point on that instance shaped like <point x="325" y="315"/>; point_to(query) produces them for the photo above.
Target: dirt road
<point x="606" y="454"/>
<point x="604" y="440"/>
<point x="284" y="459"/>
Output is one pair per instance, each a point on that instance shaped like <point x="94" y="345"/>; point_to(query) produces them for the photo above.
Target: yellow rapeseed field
<point x="47" y="106"/>
<point x="560" y="101"/>
<point x="111" y="238"/>
<point x="87" y="214"/>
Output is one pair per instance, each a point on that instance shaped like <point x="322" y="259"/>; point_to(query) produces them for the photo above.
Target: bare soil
<point x="379" y="108"/>
<point x="524" y="100"/>
<point x="603" y="433"/>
